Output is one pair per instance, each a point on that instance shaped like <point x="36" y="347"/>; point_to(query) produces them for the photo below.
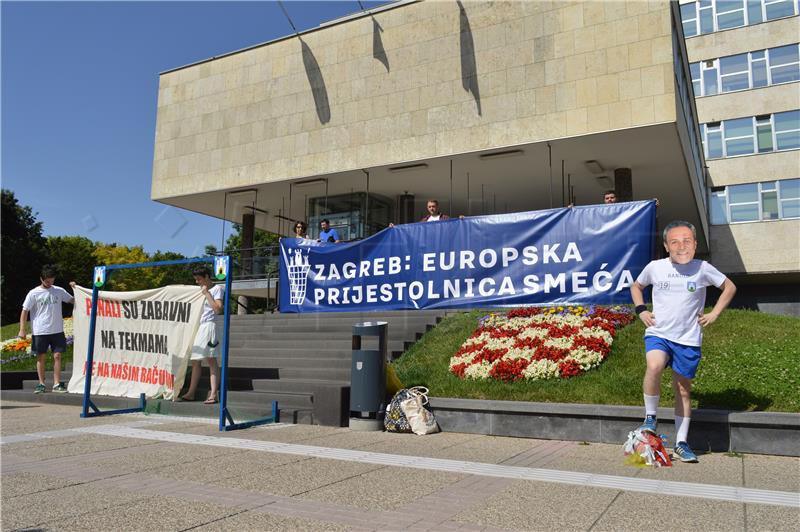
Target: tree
<point x="74" y="258"/>
<point x="23" y="252"/>
<point x="125" y="280"/>
<point x="177" y="274"/>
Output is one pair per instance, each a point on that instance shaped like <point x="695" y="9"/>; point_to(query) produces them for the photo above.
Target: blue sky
<point x="79" y="95"/>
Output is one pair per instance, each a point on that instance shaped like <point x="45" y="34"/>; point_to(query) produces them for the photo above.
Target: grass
<point x="29" y="364"/>
<point x="749" y="362"/>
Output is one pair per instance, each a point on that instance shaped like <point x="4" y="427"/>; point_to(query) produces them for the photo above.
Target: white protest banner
<point x="142" y="340"/>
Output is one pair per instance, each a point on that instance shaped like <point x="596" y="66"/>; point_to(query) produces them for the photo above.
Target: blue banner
<point x="580" y="255"/>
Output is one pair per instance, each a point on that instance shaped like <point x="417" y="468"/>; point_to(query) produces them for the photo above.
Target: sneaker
<point x="60" y="388"/>
<point x="684" y="452"/>
<point x="39" y="388"/>
<point x="650" y="423"/>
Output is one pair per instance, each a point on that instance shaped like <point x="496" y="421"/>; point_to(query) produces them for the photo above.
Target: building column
<point x="623" y="184"/>
<point x="246" y="254"/>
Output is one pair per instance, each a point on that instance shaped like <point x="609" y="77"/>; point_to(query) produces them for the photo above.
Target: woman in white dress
<point x="207" y="339"/>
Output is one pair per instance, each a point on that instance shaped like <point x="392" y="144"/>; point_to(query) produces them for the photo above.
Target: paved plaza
<point x="137" y="472"/>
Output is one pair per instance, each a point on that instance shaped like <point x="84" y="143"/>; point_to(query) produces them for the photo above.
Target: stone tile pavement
<point x="134" y="472"/>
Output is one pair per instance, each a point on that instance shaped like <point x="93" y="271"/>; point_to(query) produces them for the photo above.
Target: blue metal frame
<point x="226" y="421"/>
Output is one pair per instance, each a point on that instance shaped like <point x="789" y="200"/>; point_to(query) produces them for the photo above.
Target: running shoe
<point x="60" y="388"/>
<point x="684" y="452"/>
<point x="650" y="423"/>
<point x="39" y="388"/>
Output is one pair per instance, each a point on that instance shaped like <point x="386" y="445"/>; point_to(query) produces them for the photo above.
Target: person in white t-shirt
<point x="43" y="305"/>
<point x="675" y="326"/>
<point x="207" y="338"/>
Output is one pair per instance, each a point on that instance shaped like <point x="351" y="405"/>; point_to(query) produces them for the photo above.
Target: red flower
<point x="562" y="331"/>
<point x="489" y="355"/>
<point x="459" y="369"/>
<point x="597" y="345"/>
<point x="472" y="348"/>
<point x="509" y="370"/>
<point x="524" y="312"/>
<point x="529" y="343"/>
<point x="569" y="368"/>
<point x="555" y="354"/>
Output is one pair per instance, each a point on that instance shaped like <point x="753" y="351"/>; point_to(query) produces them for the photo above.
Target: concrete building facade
<point x="745" y="63"/>
<point x="487" y="106"/>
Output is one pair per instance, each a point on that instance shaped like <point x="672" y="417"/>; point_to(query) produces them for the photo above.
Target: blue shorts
<point x="683" y="359"/>
<point x="41" y="342"/>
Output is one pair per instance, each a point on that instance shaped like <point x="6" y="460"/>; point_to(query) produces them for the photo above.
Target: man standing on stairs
<point x="207" y="339"/>
<point x="43" y="304"/>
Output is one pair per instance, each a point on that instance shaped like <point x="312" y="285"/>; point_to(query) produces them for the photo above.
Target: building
<point x="488" y="106"/>
<point x="745" y="64"/>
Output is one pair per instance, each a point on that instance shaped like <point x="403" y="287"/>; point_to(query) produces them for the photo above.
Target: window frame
<point x="763" y="4"/>
<point x="708" y="65"/>
<point x="725" y="194"/>
<point x="755" y="121"/>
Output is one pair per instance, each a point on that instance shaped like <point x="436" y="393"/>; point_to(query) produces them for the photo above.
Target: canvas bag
<point x="419" y="418"/>
<point x="396" y="419"/>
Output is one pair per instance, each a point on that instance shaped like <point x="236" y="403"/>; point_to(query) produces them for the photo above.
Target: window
<point x="758" y="67"/>
<point x="734" y="72"/>
<point x="752" y="202"/>
<point x="730" y="14"/>
<point x="787" y="130"/>
<point x="790" y="198"/>
<point x="779" y="8"/>
<point x="689" y="18"/>
<point x="749" y="70"/>
<point x="752" y="134"/>
<point x="707" y="16"/>
<point x="784" y="64"/>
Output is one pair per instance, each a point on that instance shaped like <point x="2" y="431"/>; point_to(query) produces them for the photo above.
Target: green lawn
<point x="28" y="364"/>
<point x="750" y="362"/>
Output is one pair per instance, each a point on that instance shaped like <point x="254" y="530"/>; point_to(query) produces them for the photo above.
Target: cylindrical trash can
<point x="368" y="378"/>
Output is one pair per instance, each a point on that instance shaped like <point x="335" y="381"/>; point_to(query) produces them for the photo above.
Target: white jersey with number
<point x="44" y="308"/>
<point x="679" y="295"/>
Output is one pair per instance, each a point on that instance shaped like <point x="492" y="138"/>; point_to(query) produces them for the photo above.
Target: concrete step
<point x="291" y="362"/>
<point x="295" y="385"/>
<point x="288" y="352"/>
<point x="318" y="327"/>
<point x="312" y="343"/>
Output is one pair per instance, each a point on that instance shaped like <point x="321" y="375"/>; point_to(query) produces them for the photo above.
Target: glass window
<point x="706" y="17"/>
<point x="743" y="193"/>
<point x="779" y="8"/>
<point x="758" y="67"/>
<point x="694" y="68"/>
<point x="790" y="189"/>
<point x="754" y="12"/>
<point x="787" y="130"/>
<point x="790" y="198"/>
<point x="713" y="141"/>
<point x="744" y="213"/>
<point x="769" y="202"/>
<point x="689" y="18"/>
<point x="738" y="136"/>
<point x="709" y="78"/>
<point x="719" y="207"/>
<point x="764" y="134"/>
<point x="784" y="64"/>
<point x="730" y="14"/>
<point x="734" y="73"/>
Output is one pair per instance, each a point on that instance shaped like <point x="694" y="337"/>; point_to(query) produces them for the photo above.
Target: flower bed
<point x="16" y="349"/>
<point x="539" y="343"/>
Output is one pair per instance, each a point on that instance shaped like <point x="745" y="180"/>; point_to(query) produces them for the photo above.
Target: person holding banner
<point x="674" y="331"/>
<point x="434" y="214"/>
<point x="43" y="304"/>
<point x="207" y="338"/>
<point x="301" y="230"/>
<point x="327" y="233"/>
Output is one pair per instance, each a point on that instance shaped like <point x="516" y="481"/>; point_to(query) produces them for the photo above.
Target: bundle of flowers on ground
<point x="539" y="343"/>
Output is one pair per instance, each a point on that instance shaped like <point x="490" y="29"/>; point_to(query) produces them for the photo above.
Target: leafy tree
<point x="74" y="258"/>
<point x="177" y="274"/>
<point x="125" y="280"/>
<point x="23" y="253"/>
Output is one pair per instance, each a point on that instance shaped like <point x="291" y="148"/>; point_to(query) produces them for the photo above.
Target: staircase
<point x="300" y="360"/>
